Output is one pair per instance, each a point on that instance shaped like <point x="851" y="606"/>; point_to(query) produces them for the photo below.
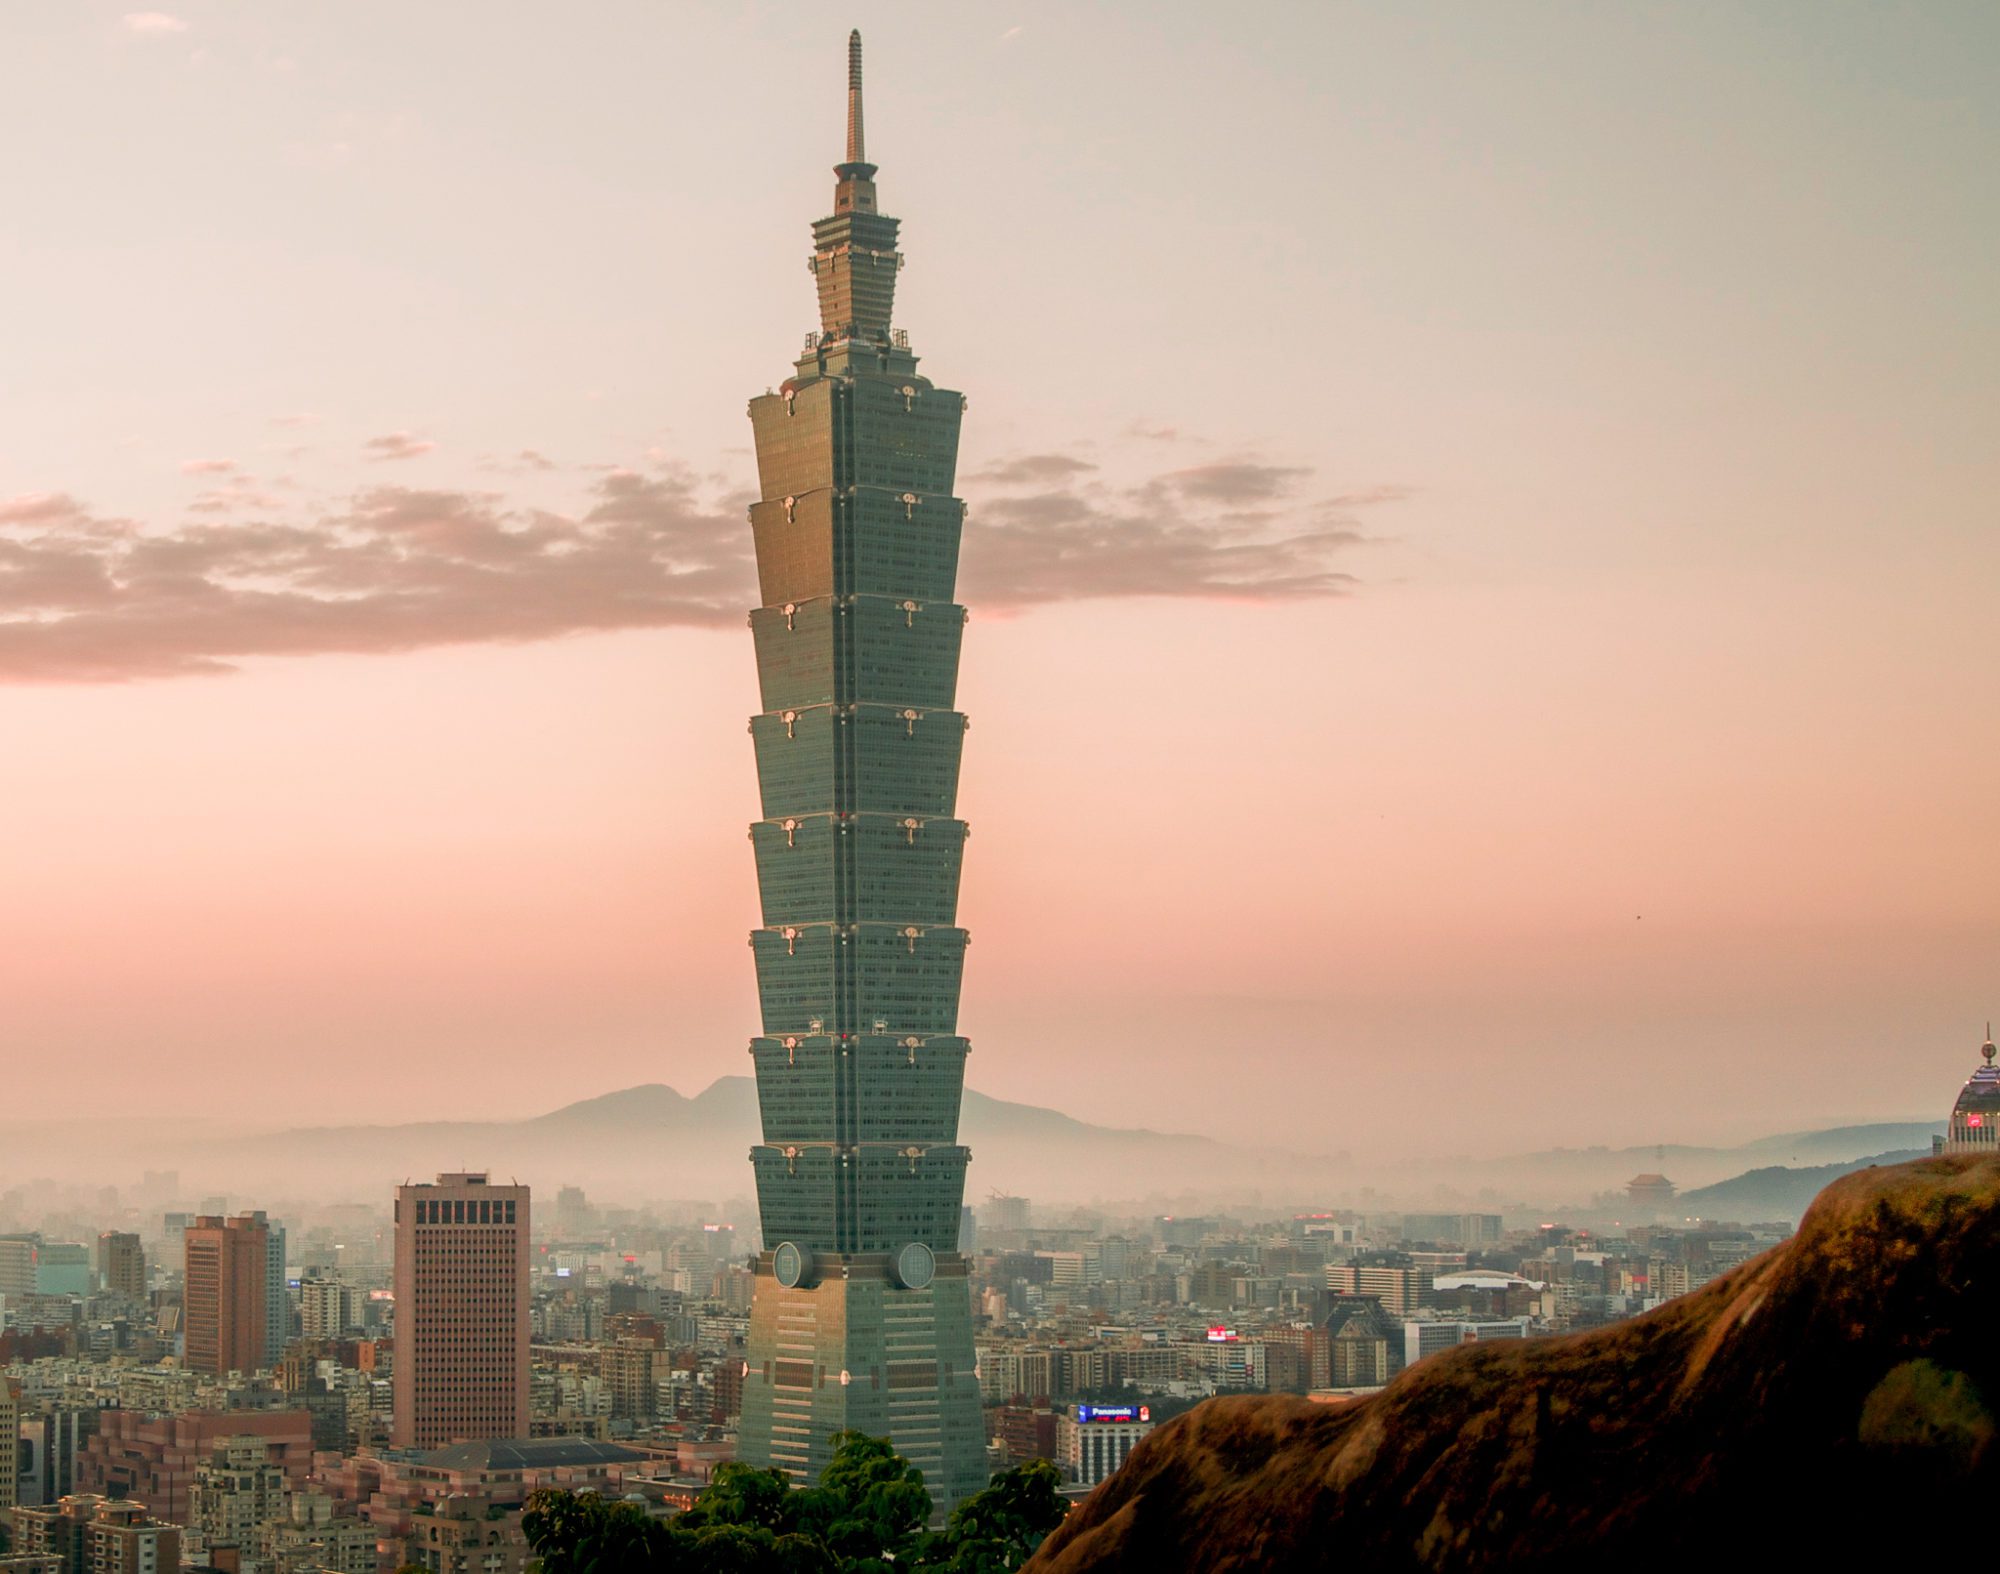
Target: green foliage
<point x="873" y="1504"/>
<point x="999" y="1529"/>
<point x="583" y="1534"/>
<point x="867" y="1515"/>
<point x="743" y="1495"/>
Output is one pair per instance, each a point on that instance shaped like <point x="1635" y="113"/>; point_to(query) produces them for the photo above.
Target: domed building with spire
<point x="1975" y="1118"/>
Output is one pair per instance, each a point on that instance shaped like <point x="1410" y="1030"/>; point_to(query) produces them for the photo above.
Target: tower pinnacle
<point x="856" y="153"/>
<point x="856" y="191"/>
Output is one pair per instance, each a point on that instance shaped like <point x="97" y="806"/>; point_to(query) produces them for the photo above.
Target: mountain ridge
<point x="651" y="1141"/>
<point x="1778" y="1192"/>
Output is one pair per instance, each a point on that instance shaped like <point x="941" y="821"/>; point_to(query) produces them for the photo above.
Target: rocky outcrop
<point x="1826" y="1405"/>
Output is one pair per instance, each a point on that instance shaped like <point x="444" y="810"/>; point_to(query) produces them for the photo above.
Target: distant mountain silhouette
<point x="1778" y="1192"/>
<point x="1568" y="1172"/>
<point x="654" y="1142"/>
<point x="1838" y="1143"/>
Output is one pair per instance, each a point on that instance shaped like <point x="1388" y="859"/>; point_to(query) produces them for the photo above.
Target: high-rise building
<point x="315" y="1536"/>
<point x="121" y="1264"/>
<point x="1009" y="1214"/>
<point x="224" y="1306"/>
<point x="1093" y="1440"/>
<point x="17" y="1264"/>
<point x="467" y="1531"/>
<point x="52" y="1437"/>
<point x="10" y="1431"/>
<point x="327" y="1308"/>
<point x="1364" y="1348"/>
<point x="461" y="1370"/>
<point x="631" y="1367"/>
<point x="1454" y="1229"/>
<point x="1399" y="1286"/>
<point x="64" y="1268"/>
<point x="237" y="1491"/>
<point x="861" y="1314"/>
<point x="575" y="1219"/>
<point x="1427" y="1336"/>
<point x="277" y="1290"/>
<point x="151" y="1459"/>
<point x="1296" y="1357"/>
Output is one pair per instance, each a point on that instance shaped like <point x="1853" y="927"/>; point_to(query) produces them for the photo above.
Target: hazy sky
<point x="1483" y="552"/>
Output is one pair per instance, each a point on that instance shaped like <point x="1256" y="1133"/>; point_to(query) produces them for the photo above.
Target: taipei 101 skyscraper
<point x="862" y="1313"/>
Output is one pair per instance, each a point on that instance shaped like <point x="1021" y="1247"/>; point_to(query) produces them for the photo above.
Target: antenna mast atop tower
<point x="856" y="151"/>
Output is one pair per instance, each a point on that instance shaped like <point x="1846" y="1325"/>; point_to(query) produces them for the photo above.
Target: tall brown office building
<point x="223" y="1294"/>
<point x="461" y="1370"/>
<point x="861" y="1316"/>
<point x="121" y="1264"/>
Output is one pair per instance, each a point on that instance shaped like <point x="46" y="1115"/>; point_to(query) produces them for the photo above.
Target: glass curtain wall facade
<point x="862" y="1314"/>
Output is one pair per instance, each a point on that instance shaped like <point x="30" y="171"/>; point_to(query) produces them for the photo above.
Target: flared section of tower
<point x="862" y="1314"/>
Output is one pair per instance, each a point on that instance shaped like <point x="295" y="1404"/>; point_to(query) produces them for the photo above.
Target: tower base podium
<point x="852" y="1349"/>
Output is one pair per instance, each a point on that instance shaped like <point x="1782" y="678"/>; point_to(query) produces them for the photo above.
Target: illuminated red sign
<point x="1222" y="1336"/>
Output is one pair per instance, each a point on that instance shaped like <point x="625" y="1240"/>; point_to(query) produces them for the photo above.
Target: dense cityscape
<point x="201" y="1385"/>
<point x="238" y="1375"/>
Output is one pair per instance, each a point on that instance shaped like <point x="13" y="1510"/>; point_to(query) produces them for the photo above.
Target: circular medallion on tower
<point x="790" y="1264"/>
<point x="916" y="1264"/>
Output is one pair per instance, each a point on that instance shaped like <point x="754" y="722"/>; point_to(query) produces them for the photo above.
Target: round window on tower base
<point x="915" y="1265"/>
<point x="791" y="1264"/>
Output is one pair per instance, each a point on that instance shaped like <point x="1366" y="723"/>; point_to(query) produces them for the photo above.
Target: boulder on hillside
<point x="1828" y="1404"/>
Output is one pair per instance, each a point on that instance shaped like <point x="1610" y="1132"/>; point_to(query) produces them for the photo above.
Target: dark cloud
<point x="398" y="445"/>
<point x="1240" y="482"/>
<point x="1059" y="547"/>
<point x="1032" y="470"/>
<point x="1187" y="532"/>
<point x="90" y="600"/>
<point x="85" y="598"/>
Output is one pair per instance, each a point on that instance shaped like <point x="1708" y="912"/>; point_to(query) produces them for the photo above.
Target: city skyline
<point x="1646" y="728"/>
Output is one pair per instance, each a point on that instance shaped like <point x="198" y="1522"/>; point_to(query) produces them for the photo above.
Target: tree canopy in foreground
<point x="868" y="1515"/>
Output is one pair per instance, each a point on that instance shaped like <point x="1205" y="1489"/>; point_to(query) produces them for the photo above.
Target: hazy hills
<point x="653" y="1142"/>
<point x="643" y="1142"/>
<point x="1778" y="1192"/>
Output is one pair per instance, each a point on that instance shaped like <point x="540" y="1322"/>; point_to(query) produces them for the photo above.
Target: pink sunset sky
<point x="1483" y="551"/>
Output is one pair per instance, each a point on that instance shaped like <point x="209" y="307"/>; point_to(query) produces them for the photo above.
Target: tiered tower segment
<point x="862" y="1314"/>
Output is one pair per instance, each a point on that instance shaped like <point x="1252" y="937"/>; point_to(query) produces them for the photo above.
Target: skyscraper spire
<point x="856" y="191"/>
<point x="856" y="150"/>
